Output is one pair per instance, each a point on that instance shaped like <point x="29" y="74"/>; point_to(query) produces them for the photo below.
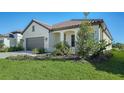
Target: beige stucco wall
<point x="56" y="38"/>
<point x="17" y="38"/>
<point x="13" y="42"/>
<point x="108" y="40"/>
<point x="39" y="32"/>
<point x="6" y="41"/>
<point x="101" y="35"/>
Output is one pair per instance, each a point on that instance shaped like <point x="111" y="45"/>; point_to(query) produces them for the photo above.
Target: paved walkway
<point x="7" y="54"/>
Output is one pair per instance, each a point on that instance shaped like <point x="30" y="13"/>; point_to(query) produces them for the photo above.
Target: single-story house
<point x="40" y="35"/>
<point x="11" y="39"/>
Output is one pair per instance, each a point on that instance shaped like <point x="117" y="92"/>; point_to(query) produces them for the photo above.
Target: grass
<point x="59" y="70"/>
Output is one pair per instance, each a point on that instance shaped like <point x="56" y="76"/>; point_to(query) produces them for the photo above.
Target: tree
<point x="85" y="39"/>
<point x="86" y="44"/>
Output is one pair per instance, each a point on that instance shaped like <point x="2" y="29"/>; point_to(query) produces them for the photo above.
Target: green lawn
<point x="59" y="70"/>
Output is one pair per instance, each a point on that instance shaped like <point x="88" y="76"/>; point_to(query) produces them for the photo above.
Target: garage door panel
<point x="37" y="42"/>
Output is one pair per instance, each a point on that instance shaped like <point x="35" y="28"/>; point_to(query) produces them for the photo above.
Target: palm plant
<point x="86" y="14"/>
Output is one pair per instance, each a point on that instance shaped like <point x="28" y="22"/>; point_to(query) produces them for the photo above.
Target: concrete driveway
<point x="7" y="54"/>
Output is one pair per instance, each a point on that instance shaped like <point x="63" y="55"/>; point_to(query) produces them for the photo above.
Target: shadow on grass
<point x="115" y="65"/>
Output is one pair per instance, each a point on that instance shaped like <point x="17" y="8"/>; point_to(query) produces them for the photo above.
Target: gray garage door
<point x="37" y="42"/>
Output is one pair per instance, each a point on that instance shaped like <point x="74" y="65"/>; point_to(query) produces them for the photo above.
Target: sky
<point x="11" y="21"/>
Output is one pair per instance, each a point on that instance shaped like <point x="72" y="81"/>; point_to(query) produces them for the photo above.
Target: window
<point x="64" y="37"/>
<point x="33" y="28"/>
<point x="96" y="35"/>
<point x="73" y="40"/>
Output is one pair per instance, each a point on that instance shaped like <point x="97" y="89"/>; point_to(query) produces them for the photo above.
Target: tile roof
<point x="77" y="22"/>
<point x="73" y="23"/>
<point x="65" y="24"/>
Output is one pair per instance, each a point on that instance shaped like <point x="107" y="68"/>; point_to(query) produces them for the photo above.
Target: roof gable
<point x="41" y="24"/>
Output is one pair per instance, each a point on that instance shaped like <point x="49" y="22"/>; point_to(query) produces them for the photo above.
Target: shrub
<point x="108" y="54"/>
<point x="10" y="49"/>
<point x="1" y="45"/>
<point x="41" y="51"/>
<point x="19" y="48"/>
<point x="38" y="51"/>
<point x="3" y="49"/>
<point x="103" y="57"/>
<point x="62" y="48"/>
<point x="35" y="51"/>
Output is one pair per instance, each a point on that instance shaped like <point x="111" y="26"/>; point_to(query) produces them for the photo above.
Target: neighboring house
<point x="4" y="40"/>
<point x="40" y="35"/>
<point x="17" y="35"/>
<point x="11" y="39"/>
